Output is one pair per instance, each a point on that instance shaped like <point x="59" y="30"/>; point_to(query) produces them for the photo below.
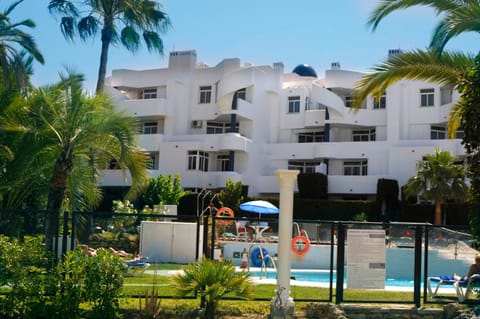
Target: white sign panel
<point x="366" y="259"/>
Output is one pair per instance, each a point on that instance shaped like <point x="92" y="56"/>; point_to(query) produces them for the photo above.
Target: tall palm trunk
<point x="438" y="211"/>
<point x="102" y="69"/>
<point x="56" y="194"/>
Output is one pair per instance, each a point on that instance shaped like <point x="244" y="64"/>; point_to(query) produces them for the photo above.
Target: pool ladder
<point x="264" y="259"/>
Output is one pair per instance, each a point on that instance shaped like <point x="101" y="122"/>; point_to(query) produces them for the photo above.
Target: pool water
<point x="323" y="276"/>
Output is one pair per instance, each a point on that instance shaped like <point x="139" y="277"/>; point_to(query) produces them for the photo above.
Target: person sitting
<point x="473" y="270"/>
<point x="213" y="209"/>
<point x="244" y="225"/>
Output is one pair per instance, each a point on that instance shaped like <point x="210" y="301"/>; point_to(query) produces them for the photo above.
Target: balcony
<point x="144" y="108"/>
<point x="211" y="179"/>
<point x="233" y="82"/>
<point x="339" y="184"/>
<point x="314" y="118"/>
<point x="226" y="142"/>
<point x="114" y="177"/>
<point x="150" y="142"/>
<point x="244" y="110"/>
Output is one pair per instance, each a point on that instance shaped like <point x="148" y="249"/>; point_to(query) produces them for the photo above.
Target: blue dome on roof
<point x="305" y="70"/>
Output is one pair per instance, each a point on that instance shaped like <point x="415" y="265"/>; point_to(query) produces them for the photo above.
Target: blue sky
<point x="315" y="32"/>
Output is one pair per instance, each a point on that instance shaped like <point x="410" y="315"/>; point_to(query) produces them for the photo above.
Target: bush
<point x="37" y="290"/>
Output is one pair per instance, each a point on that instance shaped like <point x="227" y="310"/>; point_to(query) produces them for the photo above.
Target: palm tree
<point x="447" y="68"/>
<point x="14" y="45"/>
<point x="213" y="279"/>
<point x="108" y="16"/>
<point x="457" y="17"/>
<point x="438" y="178"/>
<point x="74" y="136"/>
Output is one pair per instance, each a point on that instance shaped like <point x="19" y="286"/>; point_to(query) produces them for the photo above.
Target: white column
<point x="282" y="304"/>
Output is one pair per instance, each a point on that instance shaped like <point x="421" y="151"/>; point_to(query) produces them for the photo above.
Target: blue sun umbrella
<point x="259" y="207"/>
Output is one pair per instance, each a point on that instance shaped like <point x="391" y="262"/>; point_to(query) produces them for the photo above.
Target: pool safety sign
<point x="366" y="258"/>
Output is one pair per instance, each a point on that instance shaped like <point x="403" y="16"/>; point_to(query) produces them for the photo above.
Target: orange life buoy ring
<point x="225" y="212"/>
<point x="300" y="241"/>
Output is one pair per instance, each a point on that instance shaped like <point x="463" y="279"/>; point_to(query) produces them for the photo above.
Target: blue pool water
<point x="323" y="276"/>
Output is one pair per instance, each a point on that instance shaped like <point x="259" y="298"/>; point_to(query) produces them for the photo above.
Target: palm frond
<point x="444" y="69"/>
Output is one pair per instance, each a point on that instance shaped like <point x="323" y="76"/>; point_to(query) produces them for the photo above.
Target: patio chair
<point x="462" y="287"/>
<point x="242" y="231"/>
<point x="136" y="268"/>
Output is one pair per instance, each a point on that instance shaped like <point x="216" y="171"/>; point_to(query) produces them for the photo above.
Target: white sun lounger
<point x="462" y="287"/>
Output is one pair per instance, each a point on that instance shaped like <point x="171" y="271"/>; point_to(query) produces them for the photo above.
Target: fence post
<point x="73" y="230"/>
<point x="340" y="262"/>
<point x="417" y="272"/>
<point x="425" y="265"/>
<point x="65" y="234"/>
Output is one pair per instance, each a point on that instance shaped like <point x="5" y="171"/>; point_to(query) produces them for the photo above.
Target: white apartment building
<point x="243" y="122"/>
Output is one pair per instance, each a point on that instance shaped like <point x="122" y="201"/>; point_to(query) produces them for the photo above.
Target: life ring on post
<point x="300" y="245"/>
<point x="225" y="212"/>
<point x="257" y="257"/>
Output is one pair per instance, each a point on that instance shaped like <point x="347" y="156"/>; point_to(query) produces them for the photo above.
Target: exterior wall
<point x="268" y="134"/>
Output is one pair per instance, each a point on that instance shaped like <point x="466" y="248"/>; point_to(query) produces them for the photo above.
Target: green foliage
<point x="213" y="280"/>
<point x="23" y="270"/>
<point x="166" y="190"/>
<point x="151" y="306"/>
<point x="103" y="283"/>
<point x="469" y="88"/>
<point x="37" y="291"/>
<point x="231" y="196"/>
<point x="125" y="22"/>
<point x="313" y="185"/>
<point x="360" y="217"/>
<point x="438" y="178"/>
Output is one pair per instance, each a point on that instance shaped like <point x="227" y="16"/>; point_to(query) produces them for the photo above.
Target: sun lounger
<point x="136" y="267"/>
<point x="462" y="287"/>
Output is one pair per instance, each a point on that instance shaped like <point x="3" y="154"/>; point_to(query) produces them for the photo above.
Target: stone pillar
<point x="282" y="305"/>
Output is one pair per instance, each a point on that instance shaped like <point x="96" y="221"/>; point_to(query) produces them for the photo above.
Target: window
<point x="293" y="104"/>
<point x="348" y="101"/>
<point x="223" y="161"/>
<point x="205" y="94"/>
<point x="303" y="166"/>
<point x="381" y="104"/>
<point x="242" y="94"/>
<point x="363" y="135"/>
<point x="441" y="133"/>
<point x="198" y="160"/>
<point x="311" y="137"/>
<point x="355" y="168"/>
<point x="153" y="160"/>
<point x="219" y="128"/>
<point x="438" y="133"/>
<point x="427" y="97"/>
<point x="446" y="95"/>
<point x="150" y="93"/>
<point x="150" y="127"/>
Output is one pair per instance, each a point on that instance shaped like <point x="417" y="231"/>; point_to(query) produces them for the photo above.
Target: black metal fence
<point x="414" y="252"/>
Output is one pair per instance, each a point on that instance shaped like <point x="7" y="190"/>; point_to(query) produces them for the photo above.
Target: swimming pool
<point x="321" y="276"/>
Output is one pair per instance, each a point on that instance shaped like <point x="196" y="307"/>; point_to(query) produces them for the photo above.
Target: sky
<point x="259" y="32"/>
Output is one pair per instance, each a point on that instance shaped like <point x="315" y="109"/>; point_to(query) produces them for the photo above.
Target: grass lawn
<point x="135" y="287"/>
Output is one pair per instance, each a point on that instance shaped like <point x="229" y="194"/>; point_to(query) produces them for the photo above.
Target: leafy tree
<point x="438" y="178"/>
<point x="119" y="22"/>
<point x="231" y="196"/>
<point x="15" y="45"/>
<point x="457" y="17"/>
<point x="469" y="87"/>
<point x="213" y="279"/>
<point x="73" y="136"/>
<point x="166" y="190"/>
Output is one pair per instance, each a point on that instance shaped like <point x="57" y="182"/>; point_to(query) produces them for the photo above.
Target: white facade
<point x="281" y="120"/>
